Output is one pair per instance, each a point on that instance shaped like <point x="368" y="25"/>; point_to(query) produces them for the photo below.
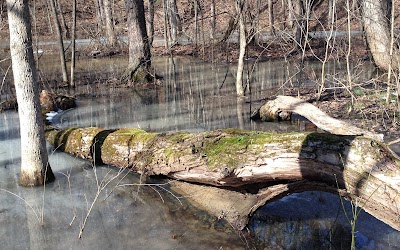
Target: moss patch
<point x="227" y="150"/>
<point x="125" y="147"/>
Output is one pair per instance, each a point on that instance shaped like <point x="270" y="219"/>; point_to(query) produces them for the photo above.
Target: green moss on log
<point x="76" y="141"/>
<point x="125" y="146"/>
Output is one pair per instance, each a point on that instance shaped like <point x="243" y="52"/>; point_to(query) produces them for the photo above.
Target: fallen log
<point x="48" y="102"/>
<point x="270" y="165"/>
<point x="245" y="169"/>
<point x="282" y="108"/>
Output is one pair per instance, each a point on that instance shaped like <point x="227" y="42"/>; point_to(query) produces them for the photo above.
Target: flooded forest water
<point x="116" y="210"/>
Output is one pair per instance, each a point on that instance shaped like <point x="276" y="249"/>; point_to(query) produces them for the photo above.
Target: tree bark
<point x="72" y="80"/>
<point x="111" y="38"/>
<point x="212" y="21"/>
<point x="271" y="17"/>
<point x="173" y="20"/>
<point x="60" y="42"/>
<point x="377" y="32"/>
<point x="139" y="47"/>
<point x="196" y="22"/>
<point x="63" y="23"/>
<point x="35" y="169"/>
<point x="240" y="9"/>
<point x="291" y="13"/>
<point x="261" y="166"/>
<point x="100" y="12"/>
<point x="151" y="22"/>
<point x="299" y="27"/>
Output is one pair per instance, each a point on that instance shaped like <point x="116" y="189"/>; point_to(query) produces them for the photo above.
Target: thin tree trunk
<point x="63" y="23"/>
<point x="240" y="8"/>
<point x="60" y="42"/>
<point x="349" y="79"/>
<point x="151" y="22"/>
<point x="212" y="22"/>
<point x="271" y="17"/>
<point x="111" y="38"/>
<point x="49" y="17"/>
<point x="35" y="169"/>
<point x="327" y="46"/>
<point x="299" y="29"/>
<point x="256" y="23"/>
<point x="100" y="12"/>
<point x="173" y="20"/>
<point x="331" y="5"/>
<point x="72" y="82"/>
<point x="291" y="13"/>
<point x="166" y="25"/>
<point x="392" y="37"/>
<point x="196" y="23"/>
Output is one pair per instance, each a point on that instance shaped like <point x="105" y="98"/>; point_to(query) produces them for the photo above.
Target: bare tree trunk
<point x="49" y="17"/>
<point x="212" y="22"/>
<point x="173" y="20"/>
<point x="332" y="10"/>
<point x="291" y="13"/>
<point x="349" y="79"/>
<point x="100" y="12"/>
<point x="196" y="22"/>
<point x="331" y="5"/>
<point x="63" y="23"/>
<point x="151" y="22"/>
<point x="271" y="16"/>
<point x="35" y="169"/>
<point x="166" y="25"/>
<point x="257" y="23"/>
<point x="283" y="11"/>
<point x="299" y="29"/>
<point x="60" y="42"/>
<point x="240" y="9"/>
<point x="139" y="47"/>
<point x="392" y="37"/>
<point x="377" y="32"/>
<point x="72" y="82"/>
<point x="111" y="38"/>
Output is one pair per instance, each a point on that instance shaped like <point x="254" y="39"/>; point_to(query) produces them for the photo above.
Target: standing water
<point x="99" y="207"/>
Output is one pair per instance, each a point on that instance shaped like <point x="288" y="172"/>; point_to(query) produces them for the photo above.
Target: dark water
<point x="194" y="97"/>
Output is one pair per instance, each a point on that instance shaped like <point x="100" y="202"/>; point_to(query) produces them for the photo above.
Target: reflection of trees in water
<point x="193" y="96"/>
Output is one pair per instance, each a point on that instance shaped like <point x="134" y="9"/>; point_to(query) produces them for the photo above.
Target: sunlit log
<point x="257" y="167"/>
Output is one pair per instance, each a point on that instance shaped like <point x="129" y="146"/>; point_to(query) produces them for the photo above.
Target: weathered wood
<point x="270" y="164"/>
<point x="282" y="107"/>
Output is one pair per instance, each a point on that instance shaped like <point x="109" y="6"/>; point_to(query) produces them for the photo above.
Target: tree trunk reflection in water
<point x="195" y="88"/>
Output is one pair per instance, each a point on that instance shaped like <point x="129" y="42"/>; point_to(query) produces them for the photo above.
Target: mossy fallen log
<point x="261" y="166"/>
